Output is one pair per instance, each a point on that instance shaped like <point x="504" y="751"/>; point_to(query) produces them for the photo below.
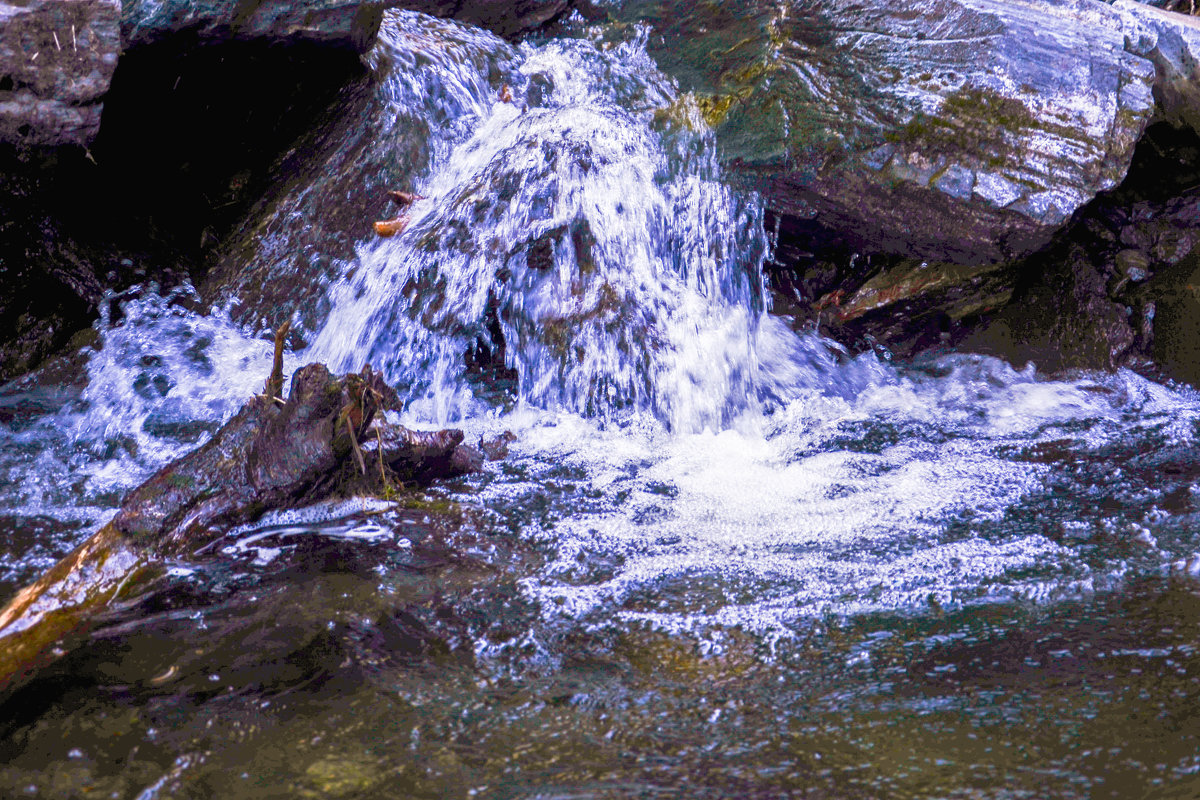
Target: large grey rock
<point x="346" y="23"/>
<point x="329" y="187"/>
<point x="1176" y="54"/>
<point x="957" y="130"/>
<point x="350" y="23"/>
<point x="506" y="18"/>
<point x="56" y="62"/>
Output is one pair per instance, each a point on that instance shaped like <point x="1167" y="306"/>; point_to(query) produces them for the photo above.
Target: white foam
<point x="810" y="516"/>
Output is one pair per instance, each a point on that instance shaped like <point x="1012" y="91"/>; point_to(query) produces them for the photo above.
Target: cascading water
<point x="689" y="474"/>
<point x="588" y="227"/>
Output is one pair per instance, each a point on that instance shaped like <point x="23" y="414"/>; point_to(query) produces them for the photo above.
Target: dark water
<point x="766" y="568"/>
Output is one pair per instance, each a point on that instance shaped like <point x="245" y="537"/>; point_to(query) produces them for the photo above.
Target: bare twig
<point x="274" y="385"/>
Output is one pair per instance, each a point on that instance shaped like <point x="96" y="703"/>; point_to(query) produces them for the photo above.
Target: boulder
<point x="953" y="130"/>
<point x="1112" y="290"/>
<point x="507" y="18"/>
<point x="340" y="23"/>
<point x="56" y="62"/>
<point x="1176" y="54"/>
<point x="324" y="192"/>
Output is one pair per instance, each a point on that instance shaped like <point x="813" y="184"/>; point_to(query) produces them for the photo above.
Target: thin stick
<point x="274" y="387"/>
<point x="382" y="472"/>
<point x="362" y="464"/>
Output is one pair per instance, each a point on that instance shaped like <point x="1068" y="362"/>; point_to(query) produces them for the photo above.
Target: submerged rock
<point x="953" y="130"/>
<point x="56" y="62"/>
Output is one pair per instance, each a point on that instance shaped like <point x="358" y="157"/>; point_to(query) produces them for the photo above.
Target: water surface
<point x="722" y="558"/>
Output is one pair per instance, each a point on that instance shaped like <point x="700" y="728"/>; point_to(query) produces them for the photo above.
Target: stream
<point x="722" y="558"/>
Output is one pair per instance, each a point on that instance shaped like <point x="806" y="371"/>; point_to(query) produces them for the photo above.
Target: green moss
<point x="976" y="120"/>
<point x="179" y="481"/>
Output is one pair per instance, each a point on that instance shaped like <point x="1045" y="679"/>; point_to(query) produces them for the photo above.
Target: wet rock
<point x="272" y="454"/>
<point x="1175" y="54"/>
<point x="339" y="23"/>
<point x="1175" y="326"/>
<point x="944" y="130"/>
<point x="1065" y="319"/>
<point x="188" y="165"/>
<point x="340" y="777"/>
<point x="322" y="194"/>
<point x="56" y="62"/>
<point x="908" y="306"/>
<point x="507" y="18"/>
<point x="1095" y="299"/>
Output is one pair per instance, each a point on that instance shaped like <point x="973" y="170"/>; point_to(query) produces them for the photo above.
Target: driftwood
<point x="271" y="455"/>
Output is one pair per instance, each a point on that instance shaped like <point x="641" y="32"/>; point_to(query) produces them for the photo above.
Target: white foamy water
<point x="619" y="270"/>
<point x="702" y="464"/>
<point x="894" y="498"/>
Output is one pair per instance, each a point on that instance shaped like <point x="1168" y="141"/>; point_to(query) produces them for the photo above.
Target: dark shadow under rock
<point x="188" y="134"/>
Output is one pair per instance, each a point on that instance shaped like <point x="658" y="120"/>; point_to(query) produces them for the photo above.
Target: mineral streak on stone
<point x="951" y="130"/>
<point x="56" y="62"/>
<point x="340" y="23"/>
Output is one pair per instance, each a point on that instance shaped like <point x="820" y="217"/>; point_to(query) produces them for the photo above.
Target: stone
<point x="1176" y="321"/>
<point x="1175" y="53"/>
<point x="57" y="59"/>
<point x="949" y="130"/>
<point x="323" y="194"/>
<point x="339" y="23"/>
<point x="507" y="18"/>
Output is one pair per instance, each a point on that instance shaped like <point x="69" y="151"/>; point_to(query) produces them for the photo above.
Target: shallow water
<point x="760" y="567"/>
<point x="964" y="581"/>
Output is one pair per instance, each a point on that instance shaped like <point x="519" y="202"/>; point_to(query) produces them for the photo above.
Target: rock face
<point x="56" y="62"/>
<point x="506" y="18"/>
<point x="345" y="23"/>
<point x="1176" y="54"/>
<point x="956" y="130"/>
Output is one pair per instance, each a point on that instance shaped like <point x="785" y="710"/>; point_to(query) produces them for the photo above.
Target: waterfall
<point x="583" y="223"/>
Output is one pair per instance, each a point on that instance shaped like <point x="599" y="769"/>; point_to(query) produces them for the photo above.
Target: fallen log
<point x="273" y="454"/>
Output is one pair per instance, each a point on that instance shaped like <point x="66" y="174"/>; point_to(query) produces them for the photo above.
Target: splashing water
<point x="921" y="488"/>
<point x="164" y="379"/>
<point x="617" y="268"/>
<point x="735" y="472"/>
<point x="720" y="555"/>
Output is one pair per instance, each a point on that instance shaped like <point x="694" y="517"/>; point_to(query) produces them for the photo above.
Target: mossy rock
<point x="1176" y="345"/>
<point x="944" y="130"/>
